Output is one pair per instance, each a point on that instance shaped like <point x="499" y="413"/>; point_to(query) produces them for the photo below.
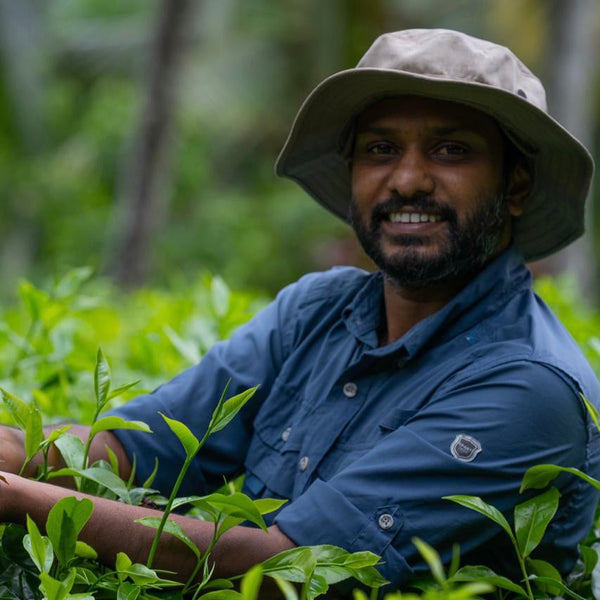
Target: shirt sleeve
<point x="251" y="357"/>
<point x="509" y="418"/>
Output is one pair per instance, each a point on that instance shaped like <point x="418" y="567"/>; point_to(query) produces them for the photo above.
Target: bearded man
<point x="380" y="393"/>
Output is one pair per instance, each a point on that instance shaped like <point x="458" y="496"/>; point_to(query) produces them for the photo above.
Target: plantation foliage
<point x="74" y="346"/>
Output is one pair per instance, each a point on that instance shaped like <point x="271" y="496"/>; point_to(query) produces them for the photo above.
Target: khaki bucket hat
<point x="453" y="66"/>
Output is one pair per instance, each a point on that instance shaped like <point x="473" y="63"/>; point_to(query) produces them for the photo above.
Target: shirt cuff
<point x="322" y="515"/>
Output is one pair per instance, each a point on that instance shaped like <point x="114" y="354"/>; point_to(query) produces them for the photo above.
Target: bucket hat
<point x="446" y="65"/>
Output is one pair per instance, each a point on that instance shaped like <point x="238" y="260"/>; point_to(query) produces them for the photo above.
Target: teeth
<point x="412" y="217"/>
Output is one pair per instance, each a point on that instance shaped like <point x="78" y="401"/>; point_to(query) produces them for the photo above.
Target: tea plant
<point x="67" y="567"/>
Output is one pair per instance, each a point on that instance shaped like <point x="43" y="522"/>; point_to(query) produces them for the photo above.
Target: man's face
<point x="428" y="201"/>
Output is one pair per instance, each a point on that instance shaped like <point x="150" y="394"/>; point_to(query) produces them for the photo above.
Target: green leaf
<point x="558" y="587"/>
<point x="173" y="528"/>
<point x="540" y="476"/>
<point x="65" y="521"/>
<point x="532" y="518"/>
<point x="121" y="389"/>
<point x="235" y="505"/>
<point x="114" y="422"/>
<point x="54" y="589"/>
<point x="34" y="433"/>
<point x="38" y="547"/>
<point x="103" y="477"/>
<point x="101" y="380"/>
<point x="550" y="576"/>
<point x="33" y="299"/>
<point x="229" y="409"/>
<point x="317" y="586"/>
<point x="84" y="550"/>
<point x="485" y="574"/>
<point x="70" y="282"/>
<point x="477" y="504"/>
<point x="293" y="565"/>
<point x="592" y="411"/>
<point x="589" y="556"/>
<point x="251" y="583"/>
<point x="187" y="439"/>
<point x="432" y="558"/>
<point x="286" y="588"/>
<point x="72" y="449"/>
<point x="128" y="591"/>
<point x="18" y="409"/>
<point x="268" y="505"/>
<point x="222" y="595"/>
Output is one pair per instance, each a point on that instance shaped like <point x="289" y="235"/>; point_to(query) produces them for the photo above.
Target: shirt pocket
<point x="343" y="454"/>
<point x="273" y="452"/>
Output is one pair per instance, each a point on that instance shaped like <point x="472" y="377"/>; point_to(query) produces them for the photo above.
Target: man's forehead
<point x="443" y="116"/>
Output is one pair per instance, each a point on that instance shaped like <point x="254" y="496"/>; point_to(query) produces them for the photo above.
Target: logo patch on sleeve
<point x="465" y="448"/>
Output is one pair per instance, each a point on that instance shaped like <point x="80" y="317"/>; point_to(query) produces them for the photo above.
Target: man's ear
<point x="518" y="189"/>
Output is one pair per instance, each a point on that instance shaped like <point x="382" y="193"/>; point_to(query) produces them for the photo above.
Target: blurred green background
<point x="139" y="136"/>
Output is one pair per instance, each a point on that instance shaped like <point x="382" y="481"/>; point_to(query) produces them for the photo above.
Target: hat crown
<point x="454" y="56"/>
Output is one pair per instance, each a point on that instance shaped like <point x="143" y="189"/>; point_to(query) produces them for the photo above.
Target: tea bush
<point x="52" y="371"/>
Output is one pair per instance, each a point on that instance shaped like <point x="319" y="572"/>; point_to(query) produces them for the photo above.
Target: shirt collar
<point x="502" y="277"/>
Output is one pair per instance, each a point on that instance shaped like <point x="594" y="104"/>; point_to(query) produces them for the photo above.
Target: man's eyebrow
<point x="435" y="130"/>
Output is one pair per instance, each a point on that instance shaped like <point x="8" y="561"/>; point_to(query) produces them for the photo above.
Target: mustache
<point x="419" y="203"/>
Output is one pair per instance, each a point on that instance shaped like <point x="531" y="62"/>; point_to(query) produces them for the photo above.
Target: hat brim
<point x="562" y="167"/>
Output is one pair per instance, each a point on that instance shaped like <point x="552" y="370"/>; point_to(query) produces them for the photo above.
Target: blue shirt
<point x="365" y="440"/>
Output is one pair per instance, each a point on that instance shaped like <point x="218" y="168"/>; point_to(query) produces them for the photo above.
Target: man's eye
<point x="381" y="148"/>
<point x="451" y="150"/>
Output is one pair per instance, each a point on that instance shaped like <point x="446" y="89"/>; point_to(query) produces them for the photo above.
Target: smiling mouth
<point x="414" y="217"/>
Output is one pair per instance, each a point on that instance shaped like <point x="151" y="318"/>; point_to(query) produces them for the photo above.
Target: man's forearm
<point x="112" y="529"/>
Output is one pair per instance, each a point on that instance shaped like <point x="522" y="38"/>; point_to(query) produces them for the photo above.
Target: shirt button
<point x="350" y="389"/>
<point x="386" y="521"/>
<point x="285" y="434"/>
<point x="303" y="463"/>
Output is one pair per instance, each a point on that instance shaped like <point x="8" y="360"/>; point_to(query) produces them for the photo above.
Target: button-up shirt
<point x="364" y="440"/>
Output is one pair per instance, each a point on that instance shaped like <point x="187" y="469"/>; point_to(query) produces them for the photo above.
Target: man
<point x="381" y="393"/>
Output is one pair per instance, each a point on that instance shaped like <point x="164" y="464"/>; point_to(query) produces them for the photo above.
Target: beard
<point x="466" y="248"/>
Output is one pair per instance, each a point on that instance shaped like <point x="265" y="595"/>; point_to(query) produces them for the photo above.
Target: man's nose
<point x="411" y="174"/>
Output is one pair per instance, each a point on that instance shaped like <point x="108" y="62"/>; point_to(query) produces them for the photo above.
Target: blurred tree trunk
<point x="570" y="62"/>
<point x="23" y="58"/>
<point x="146" y="178"/>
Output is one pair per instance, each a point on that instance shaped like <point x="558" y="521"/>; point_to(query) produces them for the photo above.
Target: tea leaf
<point x="128" y="591"/>
<point x="65" y="521"/>
<point x="85" y="550"/>
<point x="477" y="504"/>
<point x="72" y="449"/>
<point x="173" y="528"/>
<point x="485" y="574"/>
<point x="101" y="379"/>
<point x="34" y="433"/>
<point x="121" y="389"/>
<point x="294" y="565"/>
<point x="540" y="476"/>
<point x="432" y="558"/>
<point x="222" y="595"/>
<point x="114" y="422"/>
<point x="38" y="547"/>
<point x="593" y="412"/>
<point x="18" y="409"/>
<point x="268" y="505"/>
<point x="184" y="435"/>
<point x="251" y="582"/>
<point x="103" y="477"/>
<point x="546" y="577"/>
<point x="532" y="518"/>
<point x="229" y="409"/>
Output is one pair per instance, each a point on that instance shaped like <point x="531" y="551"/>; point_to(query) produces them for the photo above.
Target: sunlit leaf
<point x="230" y="408"/>
<point x="72" y="450"/>
<point x="38" y="547"/>
<point x="432" y="558"/>
<point x="171" y="527"/>
<point x="540" y="476"/>
<point x="187" y="439"/>
<point x="532" y="518"/>
<point x="251" y="582"/>
<point x="477" y="504"/>
<point x="101" y="379"/>
<point x="485" y="574"/>
<point x="114" y="422"/>
<point x="103" y="477"/>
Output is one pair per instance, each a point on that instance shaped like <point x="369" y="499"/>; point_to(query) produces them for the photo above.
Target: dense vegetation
<point x="52" y="371"/>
